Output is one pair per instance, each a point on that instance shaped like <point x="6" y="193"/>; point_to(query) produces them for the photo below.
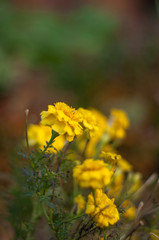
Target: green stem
<point x="85" y="147"/>
<point x="32" y="221"/>
<point x="26" y="128"/>
<point x="63" y="155"/>
<point x="104" y="140"/>
<point x="44" y="211"/>
<point x="53" y="136"/>
<point x="51" y="217"/>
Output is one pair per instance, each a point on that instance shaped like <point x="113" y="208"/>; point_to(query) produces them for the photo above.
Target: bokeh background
<point x="98" y="53"/>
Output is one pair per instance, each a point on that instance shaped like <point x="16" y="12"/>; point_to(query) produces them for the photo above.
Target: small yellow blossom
<point x="79" y="199"/>
<point x="101" y="121"/>
<point x="109" y="148"/>
<point x="124" y="165"/>
<point x="96" y="137"/>
<point x="114" y="158"/>
<point x="38" y="135"/>
<point x="117" y="124"/>
<point x="89" y="120"/>
<point x="136" y="182"/>
<point x="130" y="210"/>
<point x="92" y="173"/>
<point x="110" y="157"/>
<point x="63" y="119"/>
<point x="102" y="208"/>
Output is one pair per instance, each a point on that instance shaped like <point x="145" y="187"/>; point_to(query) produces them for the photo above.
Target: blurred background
<point x="98" y="53"/>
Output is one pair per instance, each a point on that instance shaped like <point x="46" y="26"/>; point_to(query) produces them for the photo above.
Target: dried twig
<point x="137" y="222"/>
<point x="26" y="128"/>
<point x="157" y="237"/>
<point x="149" y="181"/>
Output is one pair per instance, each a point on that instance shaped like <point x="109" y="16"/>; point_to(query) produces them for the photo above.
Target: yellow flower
<point x="92" y="173"/>
<point x="124" y="165"/>
<point x="79" y="199"/>
<point x="117" y="124"/>
<point x="136" y="182"/>
<point x="101" y="120"/>
<point x="89" y="120"/>
<point x="110" y="157"/>
<point x="96" y="137"/>
<point x="130" y="210"/>
<point x="39" y="134"/>
<point x="102" y="208"/>
<point x="63" y="119"/>
<point x="114" y="158"/>
<point x="58" y="143"/>
<point x="108" y="148"/>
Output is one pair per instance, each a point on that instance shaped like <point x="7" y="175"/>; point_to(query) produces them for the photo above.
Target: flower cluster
<point x="71" y="123"/>
<point x="99" y="172"/>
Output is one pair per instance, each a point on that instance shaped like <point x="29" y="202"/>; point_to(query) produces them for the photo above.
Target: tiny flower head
<point x="63" y="119"/>
<point x="130" y="210"/>
<point x="124" y="165"/>
<point x="117" y="124"/>
<point x="101" y="124"/>
<point x="102" y="209"/>
<point x="38" y="135"/>
<point x="136" y="180"/>
<point x="79" y="199"/>
<point x="89" y="120"/>
<point x="110" y="157"/>
<point x="92" y="173"/>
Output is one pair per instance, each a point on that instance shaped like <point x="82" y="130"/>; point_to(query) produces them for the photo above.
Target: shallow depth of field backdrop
<point x="86" y="53"/>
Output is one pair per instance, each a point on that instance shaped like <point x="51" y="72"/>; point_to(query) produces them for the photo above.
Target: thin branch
<point x="59" y="164"/>
<point x="85" y="147"/>
<point x="87" y="233"/>
<point x="141" y="204"/>
<point x="136" y="225"/>
<point x="84" y="226"/>
<point x="151" y="211"/>
<point x="129" y="234"/>
<point x="149" y="181"/>
<point x="26" y="128"/>
<point x="95" y="215"/>
<point x="63" y="155"/>
<point x="154" y="235"/>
